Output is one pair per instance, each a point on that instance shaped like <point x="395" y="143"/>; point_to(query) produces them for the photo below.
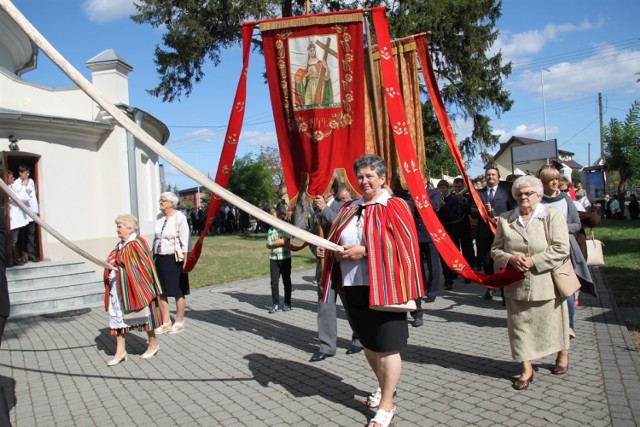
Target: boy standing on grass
<point x="279" y="264"/>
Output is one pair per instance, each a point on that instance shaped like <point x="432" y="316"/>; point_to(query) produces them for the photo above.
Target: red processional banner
<point x="315" y="72"/>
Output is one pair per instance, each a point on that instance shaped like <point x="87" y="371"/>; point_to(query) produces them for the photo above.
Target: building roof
<point x="526" y="141"/>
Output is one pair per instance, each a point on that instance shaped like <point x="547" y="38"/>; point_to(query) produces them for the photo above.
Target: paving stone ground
<point x="237" y="365"/>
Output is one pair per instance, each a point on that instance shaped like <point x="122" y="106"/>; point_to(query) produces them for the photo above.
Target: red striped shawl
<point x="137" y="278"/>
<point x="393" y="253"/>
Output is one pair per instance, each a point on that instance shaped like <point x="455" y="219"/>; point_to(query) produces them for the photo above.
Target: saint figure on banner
<point x="313" y="85"/>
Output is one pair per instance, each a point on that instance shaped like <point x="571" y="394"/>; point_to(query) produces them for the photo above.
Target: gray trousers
<point x="327" y="320"/>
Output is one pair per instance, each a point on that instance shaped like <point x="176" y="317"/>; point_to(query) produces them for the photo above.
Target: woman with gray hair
<point x="533" y="239"/>
<point x="380" y="265"/>
<point x="132" y="289"/>
<point x="170" y="247"/>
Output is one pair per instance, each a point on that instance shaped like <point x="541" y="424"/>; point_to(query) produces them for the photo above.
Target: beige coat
<point x="512" y="239"/>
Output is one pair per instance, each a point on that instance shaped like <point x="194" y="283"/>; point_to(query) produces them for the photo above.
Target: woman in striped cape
<point x="132" y="289"/>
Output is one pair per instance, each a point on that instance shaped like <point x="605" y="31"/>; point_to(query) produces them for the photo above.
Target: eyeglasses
<point x="161" y="201"/>
<point x="565" y="191"/>
<point x="526" y="194"/>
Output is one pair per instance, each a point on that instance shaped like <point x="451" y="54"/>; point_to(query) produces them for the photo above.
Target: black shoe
<point x="467" y="281"/>
<point x="488" y="294"/>
<point x="448" y="285"/>
<point x="417" y="323"/>
<point x="18" y="262"/>
<point x="319" y="357"/>
<point x="354" y="350"/>
<point x="33" y="258"/>
<point x="429" y="299"/>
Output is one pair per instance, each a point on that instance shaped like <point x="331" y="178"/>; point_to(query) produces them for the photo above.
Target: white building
<point x="87" y="169"/>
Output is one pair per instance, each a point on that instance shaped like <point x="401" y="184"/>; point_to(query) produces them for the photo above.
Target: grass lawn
<point x="622" y="259"/>
<point x="229" y="258"/>
<point x="622" y="264"/>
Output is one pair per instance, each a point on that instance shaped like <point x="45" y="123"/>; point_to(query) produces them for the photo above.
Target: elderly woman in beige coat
<point x="538" y="320"/>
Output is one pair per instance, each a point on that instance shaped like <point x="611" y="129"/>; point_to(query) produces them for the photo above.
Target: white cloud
<point x="516" y="46"/>
<point x="254" y="138"/>
<point x="535" y="131"/>
<point x="607" y="69"/>
<point x="102" y="11"/>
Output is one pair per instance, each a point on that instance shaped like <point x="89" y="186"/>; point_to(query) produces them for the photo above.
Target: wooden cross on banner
<point x="326" y="47"/>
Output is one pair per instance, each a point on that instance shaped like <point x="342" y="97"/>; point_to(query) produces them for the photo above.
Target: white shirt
<point x="356" y="273"/>
<point x="176" y="227"/>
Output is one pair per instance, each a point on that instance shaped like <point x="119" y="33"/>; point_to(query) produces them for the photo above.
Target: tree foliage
<point x="460" y="35"/>
<point x="622" y="147"/>
<point x="252" y="180"/>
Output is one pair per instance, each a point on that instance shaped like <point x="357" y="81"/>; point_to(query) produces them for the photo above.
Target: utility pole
<point x="601" y="126"/>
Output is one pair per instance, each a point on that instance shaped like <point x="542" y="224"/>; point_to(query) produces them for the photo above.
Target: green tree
<point x="270" y="157"/>
<point x="622" y="147"/>
<point x="460" y="35"/>
<point x="252" y="180"/>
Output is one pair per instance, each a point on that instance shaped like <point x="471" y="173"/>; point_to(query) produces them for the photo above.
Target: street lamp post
<point x="544" y="107"/>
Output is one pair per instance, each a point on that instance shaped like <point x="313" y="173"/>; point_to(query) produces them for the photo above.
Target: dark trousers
<point x="484" y="253"/>
<point x="465" y="241"/>
<point x="279" y="268"/>
<point x="431" y="274"/>
<point x="453" y="232"/>
<point x="27" y="238"/>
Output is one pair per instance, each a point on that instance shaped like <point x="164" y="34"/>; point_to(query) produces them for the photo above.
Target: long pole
<point x="148" y="140"/>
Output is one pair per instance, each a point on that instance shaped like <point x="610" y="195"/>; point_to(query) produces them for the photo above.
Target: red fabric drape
<point x="230" y="145"/>
<point x="441" y="113"/>
<point x="412" y="173"/>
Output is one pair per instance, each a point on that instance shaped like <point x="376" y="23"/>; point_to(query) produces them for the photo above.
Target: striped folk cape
<point x="137" y="278"/>
<point x="393" y="253"/>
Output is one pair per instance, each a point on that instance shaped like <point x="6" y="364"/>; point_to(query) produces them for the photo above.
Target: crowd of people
<point x="388" y="260"/>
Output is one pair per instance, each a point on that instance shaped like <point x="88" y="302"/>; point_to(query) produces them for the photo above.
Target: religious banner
<point x="315" y="72"/>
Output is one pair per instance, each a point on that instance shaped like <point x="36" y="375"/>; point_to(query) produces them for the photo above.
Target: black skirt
<point x="174" y="282"/>
<point x="379" y="331"/>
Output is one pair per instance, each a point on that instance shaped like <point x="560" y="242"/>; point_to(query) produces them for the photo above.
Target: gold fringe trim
<point x="283" y="23"/>
<point x="398" y="47"/>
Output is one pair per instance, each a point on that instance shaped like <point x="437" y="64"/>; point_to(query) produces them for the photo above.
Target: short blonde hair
<point x="548" y="173"/>
<point x="128" y="221"/>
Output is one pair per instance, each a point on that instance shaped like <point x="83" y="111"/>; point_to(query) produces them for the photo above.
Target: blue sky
<point x="574" y="49"/>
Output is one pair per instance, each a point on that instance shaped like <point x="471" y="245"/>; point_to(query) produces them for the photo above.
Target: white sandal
<point x="373" y="400"/>
<point x="383" y="417"/>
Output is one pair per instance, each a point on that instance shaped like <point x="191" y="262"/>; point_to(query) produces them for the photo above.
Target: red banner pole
<point x="228" y="154"/>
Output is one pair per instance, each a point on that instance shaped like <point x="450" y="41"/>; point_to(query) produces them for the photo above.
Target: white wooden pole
<point x="146" y="139"/>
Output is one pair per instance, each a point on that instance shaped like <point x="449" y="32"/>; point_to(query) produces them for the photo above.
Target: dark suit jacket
<point x="503" y="201"/>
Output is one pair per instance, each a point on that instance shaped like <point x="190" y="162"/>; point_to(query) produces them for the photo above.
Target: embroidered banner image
<point x="315" y="72"/>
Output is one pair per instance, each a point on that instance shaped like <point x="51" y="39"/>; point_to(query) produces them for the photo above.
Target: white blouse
<point x="167" y="231"/>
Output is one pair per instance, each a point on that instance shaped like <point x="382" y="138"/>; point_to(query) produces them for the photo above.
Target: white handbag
<point x="595" y="255"/>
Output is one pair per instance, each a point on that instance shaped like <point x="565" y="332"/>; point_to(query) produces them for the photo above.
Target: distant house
<point x="503" y="160"/>
<point x="87" y="168"/>
<point x="193" y="196"/>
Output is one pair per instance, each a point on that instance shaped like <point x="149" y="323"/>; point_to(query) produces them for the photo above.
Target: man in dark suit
<point x="327" y="208"/>
<point x="497" y="197"/>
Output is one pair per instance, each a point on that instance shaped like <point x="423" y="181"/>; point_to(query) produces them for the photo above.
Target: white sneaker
<point x="164" y="328"/>
<point x="572" y="334"/>
<point x="176" y="328"/>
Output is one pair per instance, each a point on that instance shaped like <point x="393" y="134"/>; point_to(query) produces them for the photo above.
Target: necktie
<point x="491" y="195"/>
